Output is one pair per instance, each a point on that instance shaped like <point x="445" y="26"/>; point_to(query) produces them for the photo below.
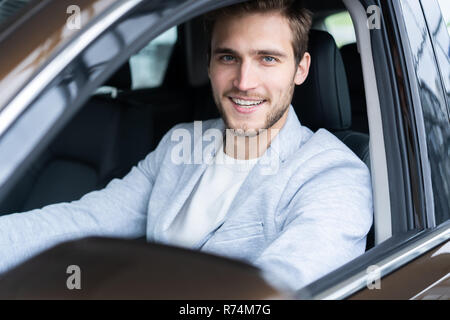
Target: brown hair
<point x="299" y="18"/>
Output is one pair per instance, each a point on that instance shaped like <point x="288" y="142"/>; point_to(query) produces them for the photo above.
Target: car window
<point x="341" y="28"/>
<point x="149" y="66"/>
<point x="433" y="102"/>
<point x="438" y="22"/>
<point x="106" y="132"/>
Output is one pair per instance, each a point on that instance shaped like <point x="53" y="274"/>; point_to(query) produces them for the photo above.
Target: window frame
<point x="406" y="237"/>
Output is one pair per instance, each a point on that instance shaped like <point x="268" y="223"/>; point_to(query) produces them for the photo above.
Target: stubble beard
<point x="272" y="117"/>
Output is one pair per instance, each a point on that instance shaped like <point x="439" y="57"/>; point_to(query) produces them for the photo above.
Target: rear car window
<point x="340" y="26"/>
<point x="149" y="66"/>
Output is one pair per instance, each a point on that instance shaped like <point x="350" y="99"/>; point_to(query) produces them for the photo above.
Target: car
<point x="90" y="87"/>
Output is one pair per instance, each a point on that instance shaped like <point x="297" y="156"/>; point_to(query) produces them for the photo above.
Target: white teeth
<point x="246" y="103"/>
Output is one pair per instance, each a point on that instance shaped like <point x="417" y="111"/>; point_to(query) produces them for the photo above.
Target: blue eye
<point x="227" y="58"/>
<point x="269" y="59"/>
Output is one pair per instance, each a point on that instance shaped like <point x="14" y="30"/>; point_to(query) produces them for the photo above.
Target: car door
<point x="415" y="262"/>
<point x="424" y="39"/>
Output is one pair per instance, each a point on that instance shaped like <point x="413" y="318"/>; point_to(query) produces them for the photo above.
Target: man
<point x="305" y="216"/>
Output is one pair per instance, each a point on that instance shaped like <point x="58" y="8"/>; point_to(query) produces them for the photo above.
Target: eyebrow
<point x="266" y="52"/>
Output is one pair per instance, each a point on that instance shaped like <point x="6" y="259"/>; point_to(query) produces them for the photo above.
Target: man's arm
<point x="119" y="210"/>
<point x="324" y="225"/>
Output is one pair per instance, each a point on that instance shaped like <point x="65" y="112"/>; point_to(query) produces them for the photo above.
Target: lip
<point x="240" y="109"/>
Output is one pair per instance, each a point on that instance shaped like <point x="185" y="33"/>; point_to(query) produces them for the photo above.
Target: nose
<point x="246" y="78"/>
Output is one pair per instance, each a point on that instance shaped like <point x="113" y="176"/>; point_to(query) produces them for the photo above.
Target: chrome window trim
<point x="385" y="266"/>
<point x="434" y="284"/>
<point x="34" y="87"/>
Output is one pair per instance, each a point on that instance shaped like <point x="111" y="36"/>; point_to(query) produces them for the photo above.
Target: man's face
<point x="253" y="70"/>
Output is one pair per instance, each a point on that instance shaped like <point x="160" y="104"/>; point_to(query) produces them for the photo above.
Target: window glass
<point x="433" y="103"/>
<point x="438" y="25"/>
<point x="341" y="28"/>
<point x="148" y="67"/>
<point x="445" y="9"/>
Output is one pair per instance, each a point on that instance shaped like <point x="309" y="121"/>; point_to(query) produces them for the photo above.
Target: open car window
<point x="81" y="141"/>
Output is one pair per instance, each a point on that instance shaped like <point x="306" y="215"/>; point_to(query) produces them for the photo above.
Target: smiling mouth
<point x="247" y="104"/>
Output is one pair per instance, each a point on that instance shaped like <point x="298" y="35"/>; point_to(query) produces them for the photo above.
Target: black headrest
<point x="196" y="53"/>
<point x="323" y="100"/>
<point x="121" y="79"/>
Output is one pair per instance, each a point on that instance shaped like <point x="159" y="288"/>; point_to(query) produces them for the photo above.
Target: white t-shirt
<point x="207" y="205"/>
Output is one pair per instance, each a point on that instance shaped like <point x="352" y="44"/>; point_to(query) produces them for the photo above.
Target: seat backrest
<point x="171" y="102"/>
<point x="323" y="100"/>
<point x="197" y="74"/>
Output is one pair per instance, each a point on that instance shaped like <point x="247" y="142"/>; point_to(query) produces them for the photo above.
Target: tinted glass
<point x="438" y="22"/>
<point x="433" y="101"/>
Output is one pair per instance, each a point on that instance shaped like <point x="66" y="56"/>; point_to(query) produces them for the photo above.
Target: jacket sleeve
<point x="324" y="223"/>
<point x="118" y="210"/>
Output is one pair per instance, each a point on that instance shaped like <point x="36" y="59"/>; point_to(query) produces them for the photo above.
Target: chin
<point x="246" y="127"/>
<point x="240" y="122"/>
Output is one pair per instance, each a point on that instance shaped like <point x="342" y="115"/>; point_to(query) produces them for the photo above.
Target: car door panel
<point x="413" y="279"/>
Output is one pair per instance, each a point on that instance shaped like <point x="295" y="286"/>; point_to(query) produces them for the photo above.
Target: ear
<point x="302" y="69"/>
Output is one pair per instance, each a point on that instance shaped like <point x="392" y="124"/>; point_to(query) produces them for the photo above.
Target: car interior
<point x="115" y="130"/>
